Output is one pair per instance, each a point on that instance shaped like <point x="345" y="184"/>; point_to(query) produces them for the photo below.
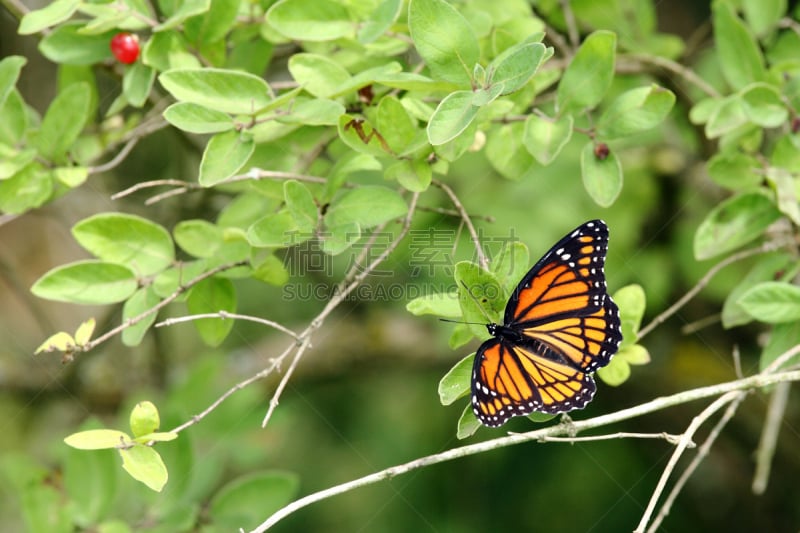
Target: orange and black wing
<point x="562" y="302"/>
<point x="511" y="380"/>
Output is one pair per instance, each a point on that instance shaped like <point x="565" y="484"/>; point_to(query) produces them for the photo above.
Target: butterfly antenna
<point x="461" y="322"/>
<point x="485" y="314"/>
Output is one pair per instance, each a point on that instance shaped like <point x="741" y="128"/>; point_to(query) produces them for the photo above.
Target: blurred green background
<point x="365" y="397"/>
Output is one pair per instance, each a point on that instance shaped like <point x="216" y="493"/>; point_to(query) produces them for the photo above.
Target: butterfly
<point x="560" y="326"/>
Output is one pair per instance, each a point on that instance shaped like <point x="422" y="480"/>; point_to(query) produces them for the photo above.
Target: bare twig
<point x="338" y="298"/>
<point x="672" y="439"/>
<point x="482" y="260"/>
<point x="769" y="436"/>
<point x="764" y="248"/>
<point x="119" y="158"/>
<point x="150" y="184"/>
<point x="748" y="383"/>
<point x="702" y="452"/>
<point x="572" y="26"/>
<point x="160" y="305"/>
<point x="226" y="315"/>
<point x="667" y="64"/>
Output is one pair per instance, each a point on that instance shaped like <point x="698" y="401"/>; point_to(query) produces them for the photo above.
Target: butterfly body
<point x="560" y="325"/>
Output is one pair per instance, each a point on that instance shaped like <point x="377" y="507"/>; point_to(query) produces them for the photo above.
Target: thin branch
<point x="239" y="386"/>
<point x="160" y="305"/>
<point x="119" y="158"/>
<point x="573" y="427"/>
<point x="685" y="73"/>
<point x="482" y="260"/>
<point x="672" y="439"/>
<point x="339" y="295"/>
<point x="454" y="213"/>
<point x="697" y="421"/>
<point x="226" y="315"/>
<point x="153" y="183"/>
<point x="702" y="452"/>
<point x="572" y="26"/>
<point x="769" y="437"/>
<point x="764" y="248"/>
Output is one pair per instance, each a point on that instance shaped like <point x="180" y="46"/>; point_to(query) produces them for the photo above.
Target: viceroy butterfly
<point x="560" y="325"/>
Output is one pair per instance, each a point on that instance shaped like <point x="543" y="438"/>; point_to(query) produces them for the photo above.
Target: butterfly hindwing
<point x="511" y="380"/>
<point x="560" y="326"/>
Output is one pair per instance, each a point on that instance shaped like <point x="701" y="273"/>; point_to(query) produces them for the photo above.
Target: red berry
<point x="601" y="151"/>
<point x="125" y="47"/>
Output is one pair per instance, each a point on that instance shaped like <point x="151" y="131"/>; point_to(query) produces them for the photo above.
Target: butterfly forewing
<point x="560" y="326"/>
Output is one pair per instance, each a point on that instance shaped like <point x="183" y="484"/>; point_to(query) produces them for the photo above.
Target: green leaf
<point x="145" y="464"/>
<point x="71" y="176"/>
<point x="28" y="188"/>
<point x="635" y="111"/>
<point x="10" y="68"/>
<point x="774" y="302"/>
<point x="444" y="39"/>
<point x="198" y="238"/>
<point x="456" y="383"/>
<point x="631" y="302"/>
<point x="84" y="332"/>
<point x="740" y="57"/>
<point x="361" y="136"/>
<point x="616" y="372"/>
<point x="544" y="138"/>
<point x="300" y="204"/>
<point x="727" y="116"/>
<point x="66" y="45"/>
<point x="785" y="192"/>
<point x="144" y="419"/>
<point x="319" y="75"/>
<point x="13" y="161"/>
<point x="60" y="342"/>
<point x="63" y="121"/>
<point x="510" y="265"/>
<point x="245" y="501"/>
<point x="137" y="83"/>
<point x="97" y="439"/>
<point x="194" y="118"/>
<point x="452" y="116"/>
<point x="770" y="267"/>
<point x="219" y="89"/>
<point x="763" y="15"/>
<point x="14" y="125"/>
<point x="142" y="300"/>
<point x="438" y="303"/>
<point x="588" y="77"/>
<point x="316" y="112"/>
<point x="129" y="240"/>
<point x="379" y="21"/>
<point x="734" y="223"/>
<point x="366" y="206"/>
<point x="91" y="481"/>
<point x="185" y="9"/>
<point x="467" y="423"/>
<point x="311" y="20"/>
<point x="275" y="230"/>
<point x="602" y="178"/>
<point x="480" y="295"/>
<point x="415" y="176"/>
<point x="340" y="238"/>
<point x="398" y="128"/>
<point x="460" y="336"/>
<point x="225" y="154"/>
<point x="211" y="296"/>
<point x="158" y="436"/>
<point x="50" y="15"/>
<point x="764" y="106"/>
<point x="516" y="66"/>
<point x="782" y="338"/>
<point x="87" y="282"/>
<point x="734" y="170"/>
<point x="272" y="271"/>
<point x="214" y="23"/>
